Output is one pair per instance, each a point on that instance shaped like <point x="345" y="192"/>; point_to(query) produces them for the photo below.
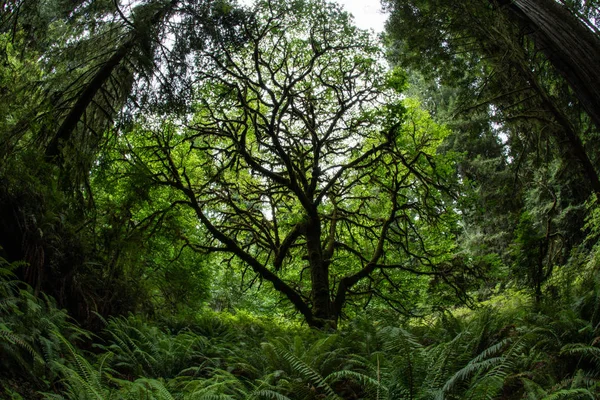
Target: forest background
<point x="200" y="199"/>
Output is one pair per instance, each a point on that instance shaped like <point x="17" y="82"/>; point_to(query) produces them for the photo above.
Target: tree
<point x="303" y="163"/>
<point x="453" y="39"/>
<point x="71" y="72"/>
<point x="525" y="139"/>
<point x="571" y="45"/>
<point x="108" y="83"/>
<point x="105" y="54"/>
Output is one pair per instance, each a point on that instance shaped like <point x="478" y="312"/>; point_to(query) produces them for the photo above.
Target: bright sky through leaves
<point x="367" y="13"/>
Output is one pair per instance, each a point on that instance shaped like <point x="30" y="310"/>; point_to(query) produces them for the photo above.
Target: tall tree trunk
<point x="86" y="97"/>
<point x="101" y="79"/>
<point x="319" y="276"/>
<point x="572" y="48"/>
<point x="575" y="146"/>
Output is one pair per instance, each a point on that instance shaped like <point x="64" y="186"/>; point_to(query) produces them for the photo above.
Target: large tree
<point x="71" y="70"/>
<point x="514" y="117"/>
<point x="571" y="45"/>
<point x="503" y="61"/>
<point x="97" y="56"/>
<point x="303" y="163"/>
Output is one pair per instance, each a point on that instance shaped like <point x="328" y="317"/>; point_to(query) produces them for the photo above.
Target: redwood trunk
<point x="86" y="97"/>
<point x="572" y="48"/>
<point x="66" y="129"/>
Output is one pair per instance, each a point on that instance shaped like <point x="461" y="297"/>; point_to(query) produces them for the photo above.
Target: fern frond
<point x="533" y="390"/>
<point x="365" y="381"/>
<point x="571" y="394"/>
<point x="13" y="338"/>
<point x="470" y="370"/>
<point x="491" y="350"/>
<point x="268" y="394"/>
<point x="584" y="351"/>
<point x="486" y="388"/>
<point x="196" y="396"/>
<point x="581" y="349"/>
<point x="78" y="385"/>
<point x="144" y="387"/>
<point x="303" y="369"/>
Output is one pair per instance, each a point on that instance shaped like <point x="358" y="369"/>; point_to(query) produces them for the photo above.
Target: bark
<point x="574" y="51"/>
<point x="347" y="282"/>
<point x="572" y="48"/>
<point x="319" y="272"/>
<point x="260" y="269"/>
<point x="67" y="128"/>
<point x="575" y="145"/>
<point x="87" y="95"/>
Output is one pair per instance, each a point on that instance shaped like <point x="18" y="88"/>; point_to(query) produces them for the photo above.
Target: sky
<point x="367" y="13"/>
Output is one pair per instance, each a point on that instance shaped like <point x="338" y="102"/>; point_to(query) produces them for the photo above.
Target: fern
<point x="221" y="384"/>
<point x="268" y="394"/>
<point x="408" y="360"/>
<point x="31" y="330"/>
<point x="373" y="387"/>
<point x="12" y="338"/>
<point x="533" y="390"/>
<point x="82" y="380"/>
<point x="307" y="372"/>
<point x="144" y="351"/>
<point x="470" y="370"/>
<point x="144" y="388"/>
<point x="571" y="394"/>
<point x="584" y="351"/>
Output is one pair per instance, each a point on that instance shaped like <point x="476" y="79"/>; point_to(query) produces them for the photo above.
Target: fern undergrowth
<point x="496" y="352"/>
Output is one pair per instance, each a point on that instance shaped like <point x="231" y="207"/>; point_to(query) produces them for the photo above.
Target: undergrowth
<point x="504" y="350"/>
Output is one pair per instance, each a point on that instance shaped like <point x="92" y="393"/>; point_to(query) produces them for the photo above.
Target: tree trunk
<point x="66" y="129"/>
<point x="101" y="78"/>
<point x="572" y="48"/>
<point x="575" y="146"/>
<point x="319" y="276"/>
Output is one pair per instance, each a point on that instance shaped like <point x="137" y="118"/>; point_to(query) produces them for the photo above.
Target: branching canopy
<point x="303" y="161"/>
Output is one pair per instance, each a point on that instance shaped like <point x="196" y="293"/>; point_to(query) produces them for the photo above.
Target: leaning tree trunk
<point x="101" y="79"/>
<point x="572" y="48"/>
<point x="84" y="100"/>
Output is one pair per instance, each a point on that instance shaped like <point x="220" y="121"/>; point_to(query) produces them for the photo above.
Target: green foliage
<point x="505" y="350"/>
<point x="219" y="174"/>
<point x="142" y="350"/>
<point x="34" y="333"/>
<point x="528" y="249"/>
<point x="139" y="233"/>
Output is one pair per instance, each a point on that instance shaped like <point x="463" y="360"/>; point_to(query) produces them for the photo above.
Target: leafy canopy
<point x="303" y="163"/>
